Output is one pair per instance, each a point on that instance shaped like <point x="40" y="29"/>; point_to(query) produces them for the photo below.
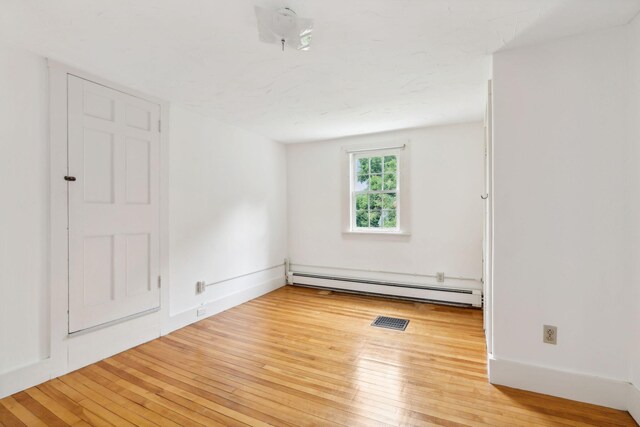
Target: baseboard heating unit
<point x="404" y="290"/>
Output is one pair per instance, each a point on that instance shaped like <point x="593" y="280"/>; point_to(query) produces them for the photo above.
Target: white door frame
<point x="487" y="249"/>
<point x="59" y="339"/>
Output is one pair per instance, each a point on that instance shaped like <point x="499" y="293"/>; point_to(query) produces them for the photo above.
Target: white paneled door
<point x="114" y="249"/>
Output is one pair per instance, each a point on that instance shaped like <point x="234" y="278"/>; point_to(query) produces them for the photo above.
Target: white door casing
<point x="487" y="247"/>
<point x="113" y="206"/>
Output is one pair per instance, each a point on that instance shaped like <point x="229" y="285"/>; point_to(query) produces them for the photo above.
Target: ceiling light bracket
<point x="284" y="27"/>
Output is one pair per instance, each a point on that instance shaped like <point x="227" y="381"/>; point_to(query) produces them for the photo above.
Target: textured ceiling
<point x="374" y="65"/>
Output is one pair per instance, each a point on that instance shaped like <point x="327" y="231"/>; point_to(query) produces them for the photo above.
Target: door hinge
<point x="159" y="282"/>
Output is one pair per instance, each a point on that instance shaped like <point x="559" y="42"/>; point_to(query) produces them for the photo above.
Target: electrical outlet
<point x="200" y="287"/>
<point x="201" y="311"/>
<point x="440" y="277"/>
<point x="550" y="334"/>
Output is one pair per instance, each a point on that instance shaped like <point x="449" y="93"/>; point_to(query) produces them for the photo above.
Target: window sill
<point x="378" y="233"/>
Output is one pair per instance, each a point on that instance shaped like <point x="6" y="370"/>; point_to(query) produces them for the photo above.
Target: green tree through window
<point x="375" y="192"/>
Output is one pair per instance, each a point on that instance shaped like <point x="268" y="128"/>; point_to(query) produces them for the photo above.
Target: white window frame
<point x="400" y="149"/>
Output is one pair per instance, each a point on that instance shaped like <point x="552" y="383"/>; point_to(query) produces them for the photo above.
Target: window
<point x="375" y="191"/>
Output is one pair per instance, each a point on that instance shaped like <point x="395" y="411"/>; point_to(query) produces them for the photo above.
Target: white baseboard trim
<point x="25" y="377"/>
<point x="633" y="402"/>
<point x="86" y="349"/>
<point x="80" y="351"/>
<point x="569" y="385"/>
<point x="221" y="304"/>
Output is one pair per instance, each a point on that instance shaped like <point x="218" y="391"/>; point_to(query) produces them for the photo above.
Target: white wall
<point x="561" y="152"/>
<point x="227" y="218"/>
<point x="634" y="50"/>
<point x="24" y="213"/>
<point x="446" y="211"/>
<point x="228" y="208"/>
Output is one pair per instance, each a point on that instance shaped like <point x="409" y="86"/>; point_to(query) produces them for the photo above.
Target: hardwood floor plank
<point x="202" y="395"/>
<point x="256" y="392"/>
<point x="61" y="399"/>
<point x="52" y="405"/>
<point x="33" y="406"/>
<point x="99" y="414"/>
<point x="194" y="413"/>
<point x="454" y="402"/>
<point x="276" y="396"/>
<point x="297" y="357"/>
<point x="161" y="414"/>
<point x="171" y="394"/>
<point x="259" y="412"/>
<point x="8" y="419"/>
<point x="129" y="417"/>
<point x="382" y="407"/>
<point x="59" y="410"/>
<point x="481" y="407"/>
<point x="126" y="408"/>
<point x="21" y="413"/>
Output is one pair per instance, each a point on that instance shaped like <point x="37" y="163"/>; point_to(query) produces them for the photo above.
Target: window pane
<point x="390" y="181"/>
<point x="389" y="219"/>
<point x="376" y="165"/>
<point x="362" y="183"/>
<point x="362" y="202"/>
<point x="389" y="201"/>
<point x="362" y="218"/>
<point x="375" y="182"/>
<point x="362" y="166"/>
<point x="390" y="164"/>
<point x="375" y="202"/>
<point x="375" y="219"/>
<point x="374" y="192"/>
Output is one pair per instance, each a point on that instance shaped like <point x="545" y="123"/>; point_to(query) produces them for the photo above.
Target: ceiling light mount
<point x="284" y="27"/>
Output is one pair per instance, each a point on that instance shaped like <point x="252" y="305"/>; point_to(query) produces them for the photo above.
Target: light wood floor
<point x="302" y="357"/>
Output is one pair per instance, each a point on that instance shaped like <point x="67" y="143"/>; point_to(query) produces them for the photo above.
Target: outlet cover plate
<point x="200" y="287"/>
<point x="550" y="334"/>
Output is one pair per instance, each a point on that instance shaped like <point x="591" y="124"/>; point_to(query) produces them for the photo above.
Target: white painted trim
<point x="367" y="150"/>
<point x="378" y="233"/>
<point x="59" y="240"/>
<point x="404" y="183"/>
<point x="115" y="322"/>
<point x="58" y="250"/>
<point x="487" y="247"/>
<point x="106" y="342"/>
<point x="633" y="402"/>
<point x="90" y="348"/>
<point x="109" y="341"/>
<point x="103" y="343"/>
<point x="569" y="385"/>
<point x="164" y="212"/>
<point x="25" y="377"/>
<point x="219" y="305"/>
<point x="66" y="69"/>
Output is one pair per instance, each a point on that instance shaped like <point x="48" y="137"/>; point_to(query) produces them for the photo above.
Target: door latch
<point x="69" y="178"/>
